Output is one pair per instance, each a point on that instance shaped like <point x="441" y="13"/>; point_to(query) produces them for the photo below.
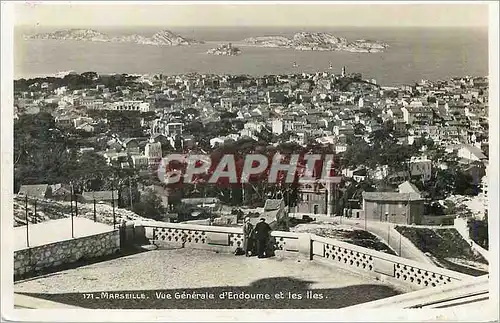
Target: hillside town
<point x="409" y="154"/>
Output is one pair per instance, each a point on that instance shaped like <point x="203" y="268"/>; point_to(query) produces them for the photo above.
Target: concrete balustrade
<point x="412" y="274"/>
<point x="468" y="293"/>
<point x="382" y="230"/>
<point x="383" y="266"/>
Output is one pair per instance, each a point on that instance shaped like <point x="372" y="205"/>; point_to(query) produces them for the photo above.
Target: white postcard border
<point x="385" y="315"/>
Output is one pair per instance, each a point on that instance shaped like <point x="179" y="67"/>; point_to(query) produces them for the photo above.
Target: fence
<point x="30" y="210"/>
<point x="309" y="246"/>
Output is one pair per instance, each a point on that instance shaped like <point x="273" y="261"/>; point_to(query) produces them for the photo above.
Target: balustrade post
<point x="305" y="246"/>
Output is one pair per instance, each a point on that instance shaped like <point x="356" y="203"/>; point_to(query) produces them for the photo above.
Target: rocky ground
<point x="344" y="233"/>
<point x="51" y="210"/>
<point x="317" y="41"/>
<point x="447" y="248"/>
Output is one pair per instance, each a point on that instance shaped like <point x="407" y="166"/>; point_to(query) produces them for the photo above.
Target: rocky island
<point x="161" y="38"/>
<point x="317" y="41"/>
<point x="225" y="50"/>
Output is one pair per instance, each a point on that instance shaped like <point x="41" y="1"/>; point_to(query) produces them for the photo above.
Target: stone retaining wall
<point x="29" y="261"/>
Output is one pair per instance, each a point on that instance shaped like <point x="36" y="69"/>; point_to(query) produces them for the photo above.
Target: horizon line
<point x="255" y="26"/>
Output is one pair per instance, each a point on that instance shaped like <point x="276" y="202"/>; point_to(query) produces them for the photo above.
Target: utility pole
<point x="389" y="234"/>
<point x="27" y="221"/>
<point x="334" y="200"/>
<point x="408" y="209"/>
<point x="113" y="202"/>
<point x="399" y="244"/>
<point x="71" y="204"/>
<point x="130" y="192"/>
<point x="364" y="214"/>
<point x="327" y="191"/>
<point x="242" y="189"/>
<point x="288" y="198"/>
<point x="34" y="213"/>
<point x="242" y="194"/>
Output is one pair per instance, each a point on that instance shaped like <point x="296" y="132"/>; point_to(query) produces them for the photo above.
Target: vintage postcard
<point x="249" y="161"/>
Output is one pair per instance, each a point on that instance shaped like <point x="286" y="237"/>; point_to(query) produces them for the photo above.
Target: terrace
<point x="197" y="262"/>
<point x="177" y="271"/>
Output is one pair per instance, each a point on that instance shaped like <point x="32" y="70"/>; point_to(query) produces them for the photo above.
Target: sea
<point x="414" y="54"/>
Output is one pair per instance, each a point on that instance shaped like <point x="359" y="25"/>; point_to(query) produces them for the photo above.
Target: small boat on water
<point x="295" y="64"/>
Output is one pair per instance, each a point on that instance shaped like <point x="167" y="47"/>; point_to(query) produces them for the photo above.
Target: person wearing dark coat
<point x="262" y="232"/>
<point x="248" y="237"/>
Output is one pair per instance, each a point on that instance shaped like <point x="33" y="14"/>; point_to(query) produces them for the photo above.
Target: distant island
<point x="161" y="38"/>
<point x="299" y="41"/>
<point x="225" y="50"/>
<point x="317" y="41"/>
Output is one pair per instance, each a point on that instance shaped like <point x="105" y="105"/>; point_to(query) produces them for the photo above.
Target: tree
<point x="388" y="126"/>
<point x="195" y="128"/>
<point x="183" y="211"/>
<point x="358" y="153"/>
<point x="228" y="115"/>
<point x="89" y="76"/>
<point x="150" y="205"/>
<point x="478" y="231"/>
<point x="190" y="114"/>
<point x="41" y="153"/>
<point x="126" y="124"/>
<point x="359" y="129"/>
<point x="92" y="172"/>
<point x="450" y="181"/>
<point x="128" y="192"/>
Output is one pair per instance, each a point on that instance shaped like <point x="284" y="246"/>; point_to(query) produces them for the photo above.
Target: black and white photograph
<point x="245" y="159"/>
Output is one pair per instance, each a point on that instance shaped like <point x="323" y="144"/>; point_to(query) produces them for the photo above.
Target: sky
<point x="253" y="14"/>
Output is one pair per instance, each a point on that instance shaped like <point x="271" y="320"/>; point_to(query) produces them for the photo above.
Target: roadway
<point x="384" y="231"/>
